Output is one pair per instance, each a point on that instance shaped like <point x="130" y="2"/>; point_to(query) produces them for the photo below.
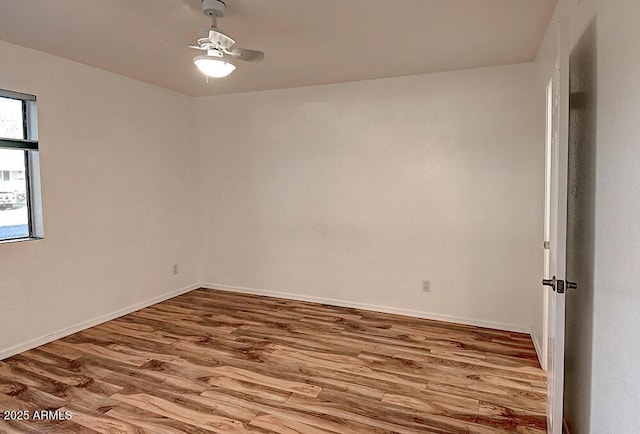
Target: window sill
<point x="21" y="240"/>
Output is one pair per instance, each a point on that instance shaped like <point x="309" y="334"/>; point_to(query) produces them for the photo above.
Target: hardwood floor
<point x="212" y="361"/>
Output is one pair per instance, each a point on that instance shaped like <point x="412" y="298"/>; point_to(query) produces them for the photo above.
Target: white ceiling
<point x="307" y="42"/>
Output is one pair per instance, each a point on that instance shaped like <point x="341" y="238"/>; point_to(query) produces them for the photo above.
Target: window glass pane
<point x="11" y="126"/>
<point x="14" y="212"/>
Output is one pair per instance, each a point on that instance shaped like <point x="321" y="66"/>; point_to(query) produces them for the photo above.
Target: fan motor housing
<point x="214" y="8"/>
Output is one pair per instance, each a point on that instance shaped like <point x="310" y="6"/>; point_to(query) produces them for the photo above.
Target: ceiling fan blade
<point x="197" y="47"/>
<point x="246" y="55"/>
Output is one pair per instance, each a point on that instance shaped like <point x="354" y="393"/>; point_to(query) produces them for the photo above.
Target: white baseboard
<point x="16" y="349"/>
<point x="370" y="307"/>
<point x="538" y="348"/>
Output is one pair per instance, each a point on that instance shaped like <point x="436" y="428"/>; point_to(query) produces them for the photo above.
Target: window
<point x="20" y="204"/>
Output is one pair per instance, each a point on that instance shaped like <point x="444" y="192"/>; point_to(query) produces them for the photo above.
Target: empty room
<point x="287" y="216"/>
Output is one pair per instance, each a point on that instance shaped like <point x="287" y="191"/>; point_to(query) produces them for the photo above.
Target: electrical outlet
<point x="175" y="269"/>
<point x="426" y="286"/>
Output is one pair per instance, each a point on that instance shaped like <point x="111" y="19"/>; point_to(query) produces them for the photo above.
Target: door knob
<point x="550" y="282"/>
<point x="555" y="284"/>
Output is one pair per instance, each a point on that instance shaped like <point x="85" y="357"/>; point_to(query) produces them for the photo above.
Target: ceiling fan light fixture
<point x="214" y="66"/>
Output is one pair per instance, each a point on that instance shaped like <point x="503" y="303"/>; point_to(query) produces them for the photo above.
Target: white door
<point x="555" y="222"/>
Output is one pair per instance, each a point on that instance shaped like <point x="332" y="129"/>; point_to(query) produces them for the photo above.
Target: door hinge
<point x="547" y="245"/>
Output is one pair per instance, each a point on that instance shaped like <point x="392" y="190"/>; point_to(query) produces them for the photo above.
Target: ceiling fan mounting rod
<point x="214" y="9"/>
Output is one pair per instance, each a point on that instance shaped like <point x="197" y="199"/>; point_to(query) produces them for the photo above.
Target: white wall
<point x="367" y="189"/>
<point x="357" y="192"/>
<point x="604" y="380"/>
<point x="616" y="378"/>
<point x="119" y="198"/>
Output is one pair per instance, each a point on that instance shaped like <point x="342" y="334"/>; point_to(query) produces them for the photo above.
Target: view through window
<point x="18" y="146"/>
<point x="14" y="213"/>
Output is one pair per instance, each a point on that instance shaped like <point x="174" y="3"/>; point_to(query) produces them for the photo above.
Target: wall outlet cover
<point x="426" y="286"/>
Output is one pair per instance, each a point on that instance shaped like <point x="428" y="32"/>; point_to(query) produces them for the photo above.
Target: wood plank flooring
<point x="213" y="361"/>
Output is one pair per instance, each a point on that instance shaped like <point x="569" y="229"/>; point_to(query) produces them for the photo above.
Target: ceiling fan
<point x="221" y="53"/>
